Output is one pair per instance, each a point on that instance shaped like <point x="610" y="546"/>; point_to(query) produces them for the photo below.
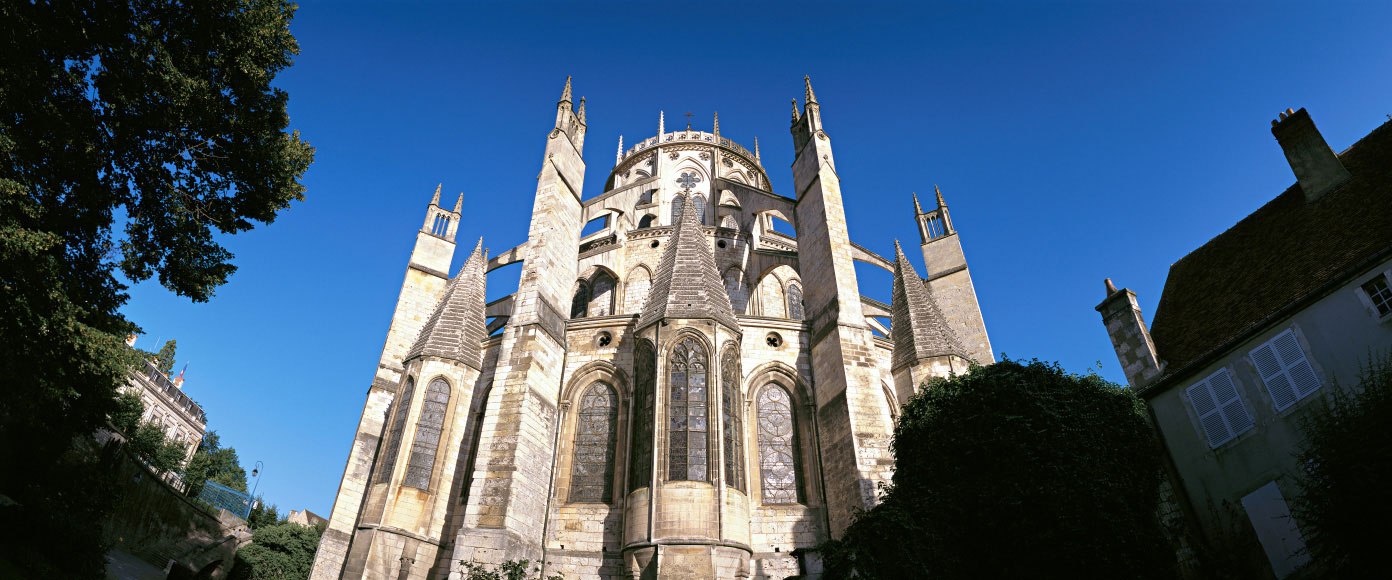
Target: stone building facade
<point x="1255" y="330"/>
<point x="683" y="393"/>
<point x="167" y="406"/>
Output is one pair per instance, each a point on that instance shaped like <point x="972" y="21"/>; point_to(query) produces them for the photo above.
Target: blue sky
<point x="1073" y="141"/>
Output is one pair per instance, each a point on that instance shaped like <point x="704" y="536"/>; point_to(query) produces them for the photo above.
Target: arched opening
<point x="402" y="405"/>
<point x="426" y="442"/>
<point x="601" y="294"/>
<point x="646" y="221"/>
<point x="778" y="442"/>
<point x="596" y="435"/>
<point x="580" y="304"/>
<point x="688" y="404"/>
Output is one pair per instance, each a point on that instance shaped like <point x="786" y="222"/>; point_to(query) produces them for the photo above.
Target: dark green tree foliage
<point x="282" y="551"/>
<point x="509" y="570"/>
<point x="150" y="443"/>
<point x="161" y="112"/>
<point x="1012" y="471"/>
<point x="129" y="410"/>
<point x="1342" y="508"/>
<point x="164" y="360"/>
<point x="262" y="515"/>
<point x="213" y="462"/>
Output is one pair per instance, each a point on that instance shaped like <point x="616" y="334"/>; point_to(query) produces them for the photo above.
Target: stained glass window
<point x="795" y="302"/>
<point x="427" y="440"/>
<point x="581" y="303"/>
<point x="677" y="202"/>
<point x="687" y="429"/>
<point x="731" y="412"/>
<point x="777" y="446"/>
<point x="700" y="203"/>
<point x="644" y="363"/>
<point x="592" y="471"/>
<point x="403" y="404"/>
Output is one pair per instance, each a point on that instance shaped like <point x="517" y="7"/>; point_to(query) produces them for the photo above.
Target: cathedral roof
<point x="456" y="328"/>
<point x="917" y="324"/>
<point x="1279" y="255"/>
<point x="687" y="284"/>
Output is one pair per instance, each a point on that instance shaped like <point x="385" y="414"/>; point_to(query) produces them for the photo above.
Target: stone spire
<point x="795" y="111"/>
<point x="456" y="328"/>
<point x="565" y="94"/>
<point x="811" y="98"/>
<point x="619" y="156"/>
<point x="917" y="324"/>
<point x="459" y="203"/>
<point x="717" y="127"/>
<point x="687" y="283"/>
<point x="918" y="209"/>
<point x="581" y="112"/>
<point x="756" y="151"/>
<point x="941" y="203"/>
<point x="661" y="122"/>
<point x="436" y="200"/>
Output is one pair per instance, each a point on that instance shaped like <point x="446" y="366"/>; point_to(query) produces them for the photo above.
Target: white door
<point x="1276" y="529"/>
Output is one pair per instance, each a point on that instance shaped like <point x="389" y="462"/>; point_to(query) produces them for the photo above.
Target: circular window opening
<point x="604" y="339"/>
<point x="774" y="340"/>
<point x="720" y="243"/>
<point x="653" y="245"/>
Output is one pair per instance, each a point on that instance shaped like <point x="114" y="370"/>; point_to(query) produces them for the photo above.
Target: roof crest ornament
<point x="717" y="127"/>
<point x="660" y="126"/>
<point x="756" y="151"/>
<point x="619" y="156"/>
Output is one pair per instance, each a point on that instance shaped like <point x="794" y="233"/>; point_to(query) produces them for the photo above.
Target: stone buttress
<point x="945" y="269"/>
<point x="505" y="511"/>
<point x="426" y="277"/>
<point x="412" y="493"/>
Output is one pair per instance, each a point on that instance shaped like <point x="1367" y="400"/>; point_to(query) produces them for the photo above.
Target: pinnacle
<point x="436" y="200"/>
<point x="619" y="156"/>
<point x="795" y="111"/>
<point x="807" y="81"/>
<point x="918" y="327"/>
<point x="581" y="113"/>
<point x="661" y="121"/>
<point x="459" y="205"/>
<point x="565" y="94"/>
<point x="941" y="203"/>
<point x="717" y="124"/>
<point x="756" y="150"/>
<point x="918" y="209"/>
<point x="687" y="284"/>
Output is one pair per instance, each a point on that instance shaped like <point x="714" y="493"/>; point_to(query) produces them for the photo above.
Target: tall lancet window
<point x="427" y="440"/>
<point x="777" y="446"/>
<point x="580" y="304"/>
<point x="687" y="419"/>
<point x="596" y="425"/>
<point x="644" y="381"/>
<point x="403" y="405"/>
<point x="677" y="202"/>
<point x="732" y="410"/>
<point x="700" y="203"/>
<point x="795" y="301"/>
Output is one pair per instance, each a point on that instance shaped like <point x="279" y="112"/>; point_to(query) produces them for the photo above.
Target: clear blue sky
<point x="1073" y="141"/>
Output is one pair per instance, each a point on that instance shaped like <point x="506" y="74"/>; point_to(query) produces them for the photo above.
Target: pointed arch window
<point x="677" y="202"/>
<point x="795" y="301"/>
<point x="580" y="304"/>
<point x="687" y="430"/>
<point x="644" y="365"/>
<point x="427" y="440"/>
<point x="731" y="417"/>
<point x="602" y="295"/>
<point x="403" y="405"/>
<point x="596" y="431"/>
<point x="700" y="204"/>
<point x="646" y="221"/>
<point x="777" y="446"/>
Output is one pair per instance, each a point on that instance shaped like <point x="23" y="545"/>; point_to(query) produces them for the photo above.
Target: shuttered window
<point x="1220" y="410"/>
<point x="1285" y="371"/>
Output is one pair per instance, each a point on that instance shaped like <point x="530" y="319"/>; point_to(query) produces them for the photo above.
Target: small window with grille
<point x="1380" y="295"/>
<point x="1219" y="408"/>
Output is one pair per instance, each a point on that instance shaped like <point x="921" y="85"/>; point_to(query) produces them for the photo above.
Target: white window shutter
<point x="1285" y="370"/>
<point x="1210" y="416"/>
<point x="1225" y="393"/>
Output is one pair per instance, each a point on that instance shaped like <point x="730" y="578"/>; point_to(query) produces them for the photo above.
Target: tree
<point x="1015" y="470"/>
<point x="150" y="443"/>
<point x="508" y="570"/>
<point x="165" y="359"/>
<point x="1342" y="505"/>
<point x="157" y="111"/>
<point x="129" y="411"/>
<point x="262" y="515"/>
<point x="279" y="551"/>
<point x="212" y="462"/>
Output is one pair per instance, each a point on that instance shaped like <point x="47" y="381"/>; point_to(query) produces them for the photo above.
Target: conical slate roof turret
<point x="456" y="328"/>
<point x="917" y="324"/>
<point x="687" y="284"/>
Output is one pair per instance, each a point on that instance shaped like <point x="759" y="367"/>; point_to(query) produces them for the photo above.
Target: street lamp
<point x="255" y="472"/>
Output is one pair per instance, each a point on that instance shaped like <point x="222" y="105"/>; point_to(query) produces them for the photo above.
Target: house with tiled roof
<point x="1255" y="328"/>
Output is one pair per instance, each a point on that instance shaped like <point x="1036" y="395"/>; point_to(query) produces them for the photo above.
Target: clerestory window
<point x="596" y="431"/>
<point x="687" y="416"/>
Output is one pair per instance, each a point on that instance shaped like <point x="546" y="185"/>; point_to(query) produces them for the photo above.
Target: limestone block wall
<point x="945" y="268"/>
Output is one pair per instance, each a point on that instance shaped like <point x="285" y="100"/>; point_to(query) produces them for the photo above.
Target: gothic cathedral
<point x="685" y="393"/>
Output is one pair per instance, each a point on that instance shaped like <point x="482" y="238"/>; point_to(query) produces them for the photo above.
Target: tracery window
<point x="700" y="203"/>
<point x="795" y="301"/>
<point x="592" y="470"/>
<point x="677" y="202"/>
<point x="580" y="304"/>
<point x="777" y="446"/>
<point x="731" y="415"/>
<point x="403" y="404"/>
<point x="427" y="439"/>
<point x="687" y="426"/>
<point x="644" y="365"/>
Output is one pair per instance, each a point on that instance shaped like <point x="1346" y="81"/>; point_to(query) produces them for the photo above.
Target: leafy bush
<point x="1011" y="471"/>
<point x="509" y="570"/>
<point x="1342" y="506"/>
<point x="281" y="551"/>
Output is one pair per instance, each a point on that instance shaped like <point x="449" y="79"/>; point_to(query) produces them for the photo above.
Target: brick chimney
<point x="1316" y="167"/>
<point x="1126" y="327"/>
